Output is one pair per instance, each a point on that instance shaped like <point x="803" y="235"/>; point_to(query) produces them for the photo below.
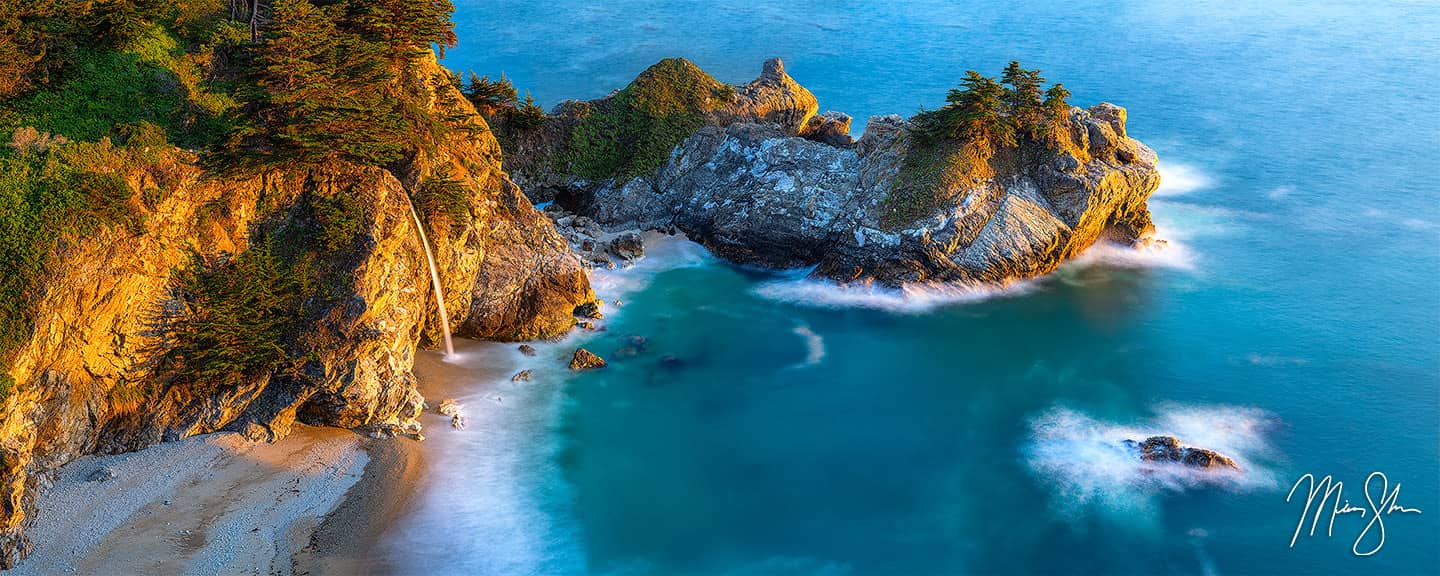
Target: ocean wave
<point x="1164" y="253"/>
<point x="662" y="252"/>
<point x="909" y="299"/>
<point x="814" y="345"/>
<point x="1178" y="178"/>
<point x="1087" y="466"/>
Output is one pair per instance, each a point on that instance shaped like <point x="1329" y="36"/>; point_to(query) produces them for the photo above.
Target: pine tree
<point x="490" y="96"/>
<point x="975" y="112"/>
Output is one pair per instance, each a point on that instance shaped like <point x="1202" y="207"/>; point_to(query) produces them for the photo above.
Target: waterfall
<point x="434" y="278"/>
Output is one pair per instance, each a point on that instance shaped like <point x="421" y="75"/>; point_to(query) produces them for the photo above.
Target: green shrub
<point x="45" y="197"/>
<point x="338" y="219"/>
<point x="442" y="195"/>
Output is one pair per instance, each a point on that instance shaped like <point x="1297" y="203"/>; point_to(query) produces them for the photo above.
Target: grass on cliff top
<point x="933" y="172"/>
<point x="151" y="79"/>
<point x="632" y="133"/>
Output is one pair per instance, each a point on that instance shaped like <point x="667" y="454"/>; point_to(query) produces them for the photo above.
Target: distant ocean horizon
<point x="1290" y="321"/>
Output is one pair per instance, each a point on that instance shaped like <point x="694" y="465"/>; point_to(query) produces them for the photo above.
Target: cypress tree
<point x="1057" y="106"/>
<point x="1023" y="96"/>
<point x="318" y="98"/>
<point x="405" y="27"/>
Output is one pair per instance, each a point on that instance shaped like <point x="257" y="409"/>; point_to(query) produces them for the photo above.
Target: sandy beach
<point x="203" y="505"/>
<point x="316" y="502"/>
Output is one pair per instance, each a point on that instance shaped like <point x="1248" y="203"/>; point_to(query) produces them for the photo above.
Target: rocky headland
<point x="756" y="175"/>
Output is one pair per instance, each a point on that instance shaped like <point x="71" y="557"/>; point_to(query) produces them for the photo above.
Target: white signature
<point x="1325" y="487"/>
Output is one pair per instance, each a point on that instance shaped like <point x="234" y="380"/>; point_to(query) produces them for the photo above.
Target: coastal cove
<point x="732" y="289"/>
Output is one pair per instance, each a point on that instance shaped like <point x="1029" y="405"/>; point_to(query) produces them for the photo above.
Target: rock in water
<point x="589" y="310"/>
<point x="765" y="182"/>
<point x="585" y="360"/>
<point x="449" y="407"/>
<point x="527" y="349"/>
<point x="103" y="474"/>
<point x="628" y="245"/>
<point x="521" y="376"/>
<point x="1169" y="449"/>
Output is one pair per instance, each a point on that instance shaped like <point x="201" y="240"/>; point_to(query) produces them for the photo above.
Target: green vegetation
<point x="491" y="96"/>
<point x="996" y="113"/>
<point x="441" y="195"/>
<point x="234" y="317"/>
<point x="528" y="114"/>
<point x="307" y="84"/>
<point x="338" y="220"/>
<point x="7" y="385"/>
<point x="325" y="92"/>
<point x="50" y="193"/>
<point x="632" y="133"/>
<point x="974" y="136"/>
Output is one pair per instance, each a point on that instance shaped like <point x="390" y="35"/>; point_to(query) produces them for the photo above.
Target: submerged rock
<point x="521" y="376"/>
<point x="527" y="349"/>
<point x="585" y="360"/>
<point x="1169" y="449"/>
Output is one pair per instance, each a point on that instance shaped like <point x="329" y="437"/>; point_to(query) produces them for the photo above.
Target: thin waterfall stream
<point x="434" y="278"/>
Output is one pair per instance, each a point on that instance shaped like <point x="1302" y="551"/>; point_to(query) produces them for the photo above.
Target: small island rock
<point x="585" y="359"/>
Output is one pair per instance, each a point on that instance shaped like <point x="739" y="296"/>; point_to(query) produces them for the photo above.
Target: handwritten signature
<point x="1325" y="487"/>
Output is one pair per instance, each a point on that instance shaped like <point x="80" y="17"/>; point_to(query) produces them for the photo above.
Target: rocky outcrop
<point x="585" y="360"/>
<point x="1169" y="449"/>
<point x="775" y="189"/>
<point x="94" y="375"/>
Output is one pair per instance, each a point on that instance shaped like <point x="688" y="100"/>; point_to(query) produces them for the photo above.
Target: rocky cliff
<point x="102" y="370"/>
<point x="765" y="181"/>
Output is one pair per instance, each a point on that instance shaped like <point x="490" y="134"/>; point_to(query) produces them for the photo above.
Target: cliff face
<point x="96" y="375"/>
<point x="777" y="186"/>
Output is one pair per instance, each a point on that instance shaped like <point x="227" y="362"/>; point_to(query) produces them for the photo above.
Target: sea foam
<point x="909" y="299"/>
<point x="1088" y="468"/>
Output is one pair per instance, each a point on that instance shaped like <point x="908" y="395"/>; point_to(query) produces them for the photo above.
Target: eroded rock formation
<point x="767" y="182"/>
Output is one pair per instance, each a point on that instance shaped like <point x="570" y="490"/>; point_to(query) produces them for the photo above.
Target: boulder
<point x="831" y="128"/>
<point x="449" y="407"/>
<point x="585" y="360"/>
<point x="527" y="349"/>
<point x="1169" y="449"/>
<point x="627" y="245"/>
<point x="589" y="310"/>
<point x="521" y="376"/>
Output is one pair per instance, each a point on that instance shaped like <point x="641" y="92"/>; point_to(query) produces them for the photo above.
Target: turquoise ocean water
<point x="1294" y="322"/>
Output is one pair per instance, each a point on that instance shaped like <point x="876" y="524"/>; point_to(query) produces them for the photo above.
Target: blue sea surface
<point x="1293" y="322"/>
